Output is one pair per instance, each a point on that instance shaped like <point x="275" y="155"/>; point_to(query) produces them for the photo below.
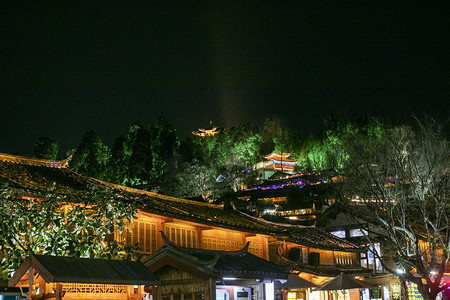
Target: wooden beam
<point x="30" y="283"/>
<point x="58" y="291"/>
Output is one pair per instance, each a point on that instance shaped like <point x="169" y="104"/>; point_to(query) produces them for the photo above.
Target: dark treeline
<point x="154" y="158"/>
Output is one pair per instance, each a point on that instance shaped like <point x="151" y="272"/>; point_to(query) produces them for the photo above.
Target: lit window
<point x="374" y="263"/>
<point x="140" y="232"/>
<point x="220" y="244"/>
<point x="292" y="296"/>
<point x="339" y="233"/>
<point x="343" y="258"/>
<point x="357" y="232"/>
<point x="181" y="236"/>
<point x="363" y="260"/>
<point x="305" y="255"/>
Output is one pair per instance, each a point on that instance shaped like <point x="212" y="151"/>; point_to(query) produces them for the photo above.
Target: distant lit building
<point x="297" y="198"/>
<point x="277" y="164"/>
<point x="201" y="132"/>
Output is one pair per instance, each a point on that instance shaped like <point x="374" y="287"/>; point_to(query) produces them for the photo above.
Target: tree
<point x="141" y="159"/>
<point x="247" y="145"/>
<point x="241" y="146"/>
<point x="46" y="148"/>
<point x="91" y="156"/>
<point x="288" y="141"/>
<point x="272" y="128"/>
<point x="119" y="163"/>
<point x="337" y="133"/>
<point x="403" y="176"/>
<point x="313" y="155"/>
<point x="237" y="149"/>
<point x="73" y="224"/>
<point x="195" y="180"/>
<point x="164" y="148"/>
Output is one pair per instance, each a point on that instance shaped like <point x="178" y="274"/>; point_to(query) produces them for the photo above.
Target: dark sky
<point x="67" y="68"/>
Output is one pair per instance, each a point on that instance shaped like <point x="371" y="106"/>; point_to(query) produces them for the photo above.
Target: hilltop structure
<point x="201" y="132"/>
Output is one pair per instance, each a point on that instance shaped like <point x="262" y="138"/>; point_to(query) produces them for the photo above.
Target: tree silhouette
<point x="402" y="177"/>
<point x="46" y="148"/>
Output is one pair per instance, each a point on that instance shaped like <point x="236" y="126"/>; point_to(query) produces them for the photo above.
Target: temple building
<point x="310" y="252"/>
<point x="298" y="198"/>
<point x="276" y="164"/>
<point x="201" y="132"/>
<point x="215" y="274"/>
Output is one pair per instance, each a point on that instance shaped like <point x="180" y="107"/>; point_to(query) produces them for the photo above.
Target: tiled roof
<point x="216" y="263"/>
<point x="317" y="238"/>
<point x="85" y="270"/>
<point x="329" y="270"/>
<point x="36" y="176"/>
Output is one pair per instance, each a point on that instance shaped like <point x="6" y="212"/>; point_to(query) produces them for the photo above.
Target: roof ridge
<point x="151" y="194"/>
<point x="17" y="159"/>
<point x="169" y="244"/>
<point x="281" y="225"/>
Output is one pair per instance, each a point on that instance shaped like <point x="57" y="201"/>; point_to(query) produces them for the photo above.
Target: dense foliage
<point x="46" y="148"/>
<point x="154" y="158"/>
<point x="62" y="224"/>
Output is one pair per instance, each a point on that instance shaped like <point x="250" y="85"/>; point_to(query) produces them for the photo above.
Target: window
<point x="358" y="232"/>
<point x="343" y="258"/>
<point x="363" y="260"/>
<point x="143" y="233"/>
<point x="304" y="255"/>
<point x="181" y="236"/>
<point x="256" y="249"/>
<point x="339" y="233"/>
<point x="299" y="254"/>
<point x="219" y="244"/>
<point x="374" y="263"/>
<point x="80" y="288"/>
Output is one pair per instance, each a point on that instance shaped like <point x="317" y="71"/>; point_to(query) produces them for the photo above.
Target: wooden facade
<point x="187" y="273"/>
<point x="70" y="278"/>
<point x="145" y="231"/>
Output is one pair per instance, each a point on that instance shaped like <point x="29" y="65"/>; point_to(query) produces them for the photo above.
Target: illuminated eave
<point x="61" y="164"/>
<point x="285" y="162"/>
<point x="205" y="132"/>
<point x="277" y="156"/>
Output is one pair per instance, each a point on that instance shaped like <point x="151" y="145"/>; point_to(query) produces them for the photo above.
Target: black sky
<point x="68" y="67"/>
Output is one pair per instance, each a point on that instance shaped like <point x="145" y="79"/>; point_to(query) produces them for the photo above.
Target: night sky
<point x="67" y="68"/>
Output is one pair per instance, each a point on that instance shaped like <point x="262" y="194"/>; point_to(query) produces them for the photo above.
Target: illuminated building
<point x="201" y="132"/>
<point x="298" y="198"/>
<point x="70" y="278"/>
<point x="276" y="164"/>
<point x="314" y="253"/>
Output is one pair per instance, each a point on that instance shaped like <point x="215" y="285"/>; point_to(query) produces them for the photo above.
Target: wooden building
<point x="202" y="132"/>
<point x="315" y="253"/>
<point x="277" y="164"/>
<point x="56" y="277"/>
<point x="298" y="198"/>
<point x="195" y="274"/>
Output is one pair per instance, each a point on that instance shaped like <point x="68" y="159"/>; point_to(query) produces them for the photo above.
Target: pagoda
<point x="277" y="164"/>
<point x="280" y="162"/>
<point x="201" y="132"/>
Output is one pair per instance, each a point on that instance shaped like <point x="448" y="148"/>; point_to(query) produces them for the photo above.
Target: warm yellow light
<point x="292" y="296"/>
